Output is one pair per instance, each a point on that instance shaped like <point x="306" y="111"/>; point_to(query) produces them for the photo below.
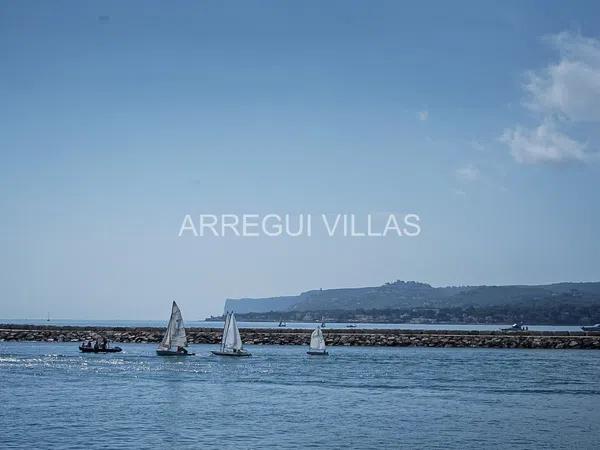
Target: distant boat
<point x="516" y="327"/>
<point x="323" y="324"/>
<point x="317" y="343"/>
<point x="282" y="323"/>
<point x="175" y="340"/>
<point x="592" y="328"/>
<point x="231" y="344"/>
<point x="352" y="325"/>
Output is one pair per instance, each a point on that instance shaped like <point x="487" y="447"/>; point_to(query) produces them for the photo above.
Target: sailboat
<point x="174" y="341"/>
<point x="592" y="328"/>
<point x="317" y="343"/>
<point x="231" y="345"/>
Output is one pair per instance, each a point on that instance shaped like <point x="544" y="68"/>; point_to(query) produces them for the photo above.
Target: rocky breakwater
<point x="353" y="337"/>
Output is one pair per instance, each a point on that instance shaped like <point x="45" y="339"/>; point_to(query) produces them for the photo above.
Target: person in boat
<point x="96" y="345"/>
<point x="181" y="349"/>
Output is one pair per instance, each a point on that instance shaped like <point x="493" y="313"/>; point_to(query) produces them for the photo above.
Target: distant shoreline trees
<point x="542" y="314"/>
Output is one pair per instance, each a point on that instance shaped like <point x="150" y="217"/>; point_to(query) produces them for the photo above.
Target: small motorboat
<point x="352" y="325"/>
<point x="231" y="344"/>
<point x="175" y="340"/>
<point x="100" y="346"/>
<point x="592" y="328"/>
<point x="317" y="343"/>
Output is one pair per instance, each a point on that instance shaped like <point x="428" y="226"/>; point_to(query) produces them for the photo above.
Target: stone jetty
<point x="333" y="337"/>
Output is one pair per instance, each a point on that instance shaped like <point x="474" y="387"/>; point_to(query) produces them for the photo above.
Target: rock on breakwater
<point x="353" y="337"/>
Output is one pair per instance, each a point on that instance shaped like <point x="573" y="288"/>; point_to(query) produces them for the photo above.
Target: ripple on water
<point x="360" y="397"/>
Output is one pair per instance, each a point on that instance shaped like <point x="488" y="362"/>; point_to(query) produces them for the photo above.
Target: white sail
<point x="231" y="336"/>
<point x="175" y="335"/>
<point x="238" y="338"/>
<point x="225" y="330"/>
<point x="317" y="341"/>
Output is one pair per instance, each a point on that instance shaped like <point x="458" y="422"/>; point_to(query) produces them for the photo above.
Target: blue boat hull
<point x="236" y="354"/>
<point x="172" y="353"/>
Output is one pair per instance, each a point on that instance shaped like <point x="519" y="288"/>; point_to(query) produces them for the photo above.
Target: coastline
<point x="333" y="337"/>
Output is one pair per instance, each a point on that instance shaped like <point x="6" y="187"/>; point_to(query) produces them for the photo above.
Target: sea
<point x="268" y="325"/>
<point x="52" y="396"/>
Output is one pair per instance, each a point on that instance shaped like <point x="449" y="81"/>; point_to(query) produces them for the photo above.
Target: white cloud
<point x="468" y="173"/>
<point x="543" y="144"/>
<point x="570" y="87"/>
<point x="423" y="115"/>
<point x="565" y="91"/>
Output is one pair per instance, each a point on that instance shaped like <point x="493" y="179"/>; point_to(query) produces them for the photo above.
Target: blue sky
<point x="117" y="119"/>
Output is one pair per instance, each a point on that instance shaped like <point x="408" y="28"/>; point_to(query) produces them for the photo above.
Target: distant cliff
<point x="410" y="298"/>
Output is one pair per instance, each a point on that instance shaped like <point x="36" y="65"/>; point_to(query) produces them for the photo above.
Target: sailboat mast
<point x="225" y="329"/>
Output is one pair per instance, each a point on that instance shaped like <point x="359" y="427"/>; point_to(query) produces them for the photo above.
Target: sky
<point x="117" y="119"/>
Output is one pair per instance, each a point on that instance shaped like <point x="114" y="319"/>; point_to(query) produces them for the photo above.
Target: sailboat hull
<point x="236" y="354"/>
<point x="172" y="353"/>
<point x="317" y="353"/>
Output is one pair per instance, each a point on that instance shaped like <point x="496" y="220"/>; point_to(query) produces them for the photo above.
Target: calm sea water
<point x="305" y="325"/>
<point x="51" y="396"/>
